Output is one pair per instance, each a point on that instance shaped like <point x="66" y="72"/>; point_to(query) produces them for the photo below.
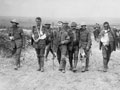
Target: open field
<point x="28" y="78"/>
<point x="28" y="22"/>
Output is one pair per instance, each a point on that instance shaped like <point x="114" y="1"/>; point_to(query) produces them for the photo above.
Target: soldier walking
<point x="107" y="44"/>
<point x="49" y="41"/>
<point x="85" y="43"/>
<point x="73" y="46"/>
<point x="39" y="42"/>
<point x="18" y="41"/>
<point x="63" y="40"/>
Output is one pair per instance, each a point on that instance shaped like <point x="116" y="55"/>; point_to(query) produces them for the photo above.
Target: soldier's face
<point x="14" y="24"/>
<point x="83" y="27"/>
<point x="47" y="26"/>
<point x="106" y="26"/>
<point x="38" y="22"/>
<point x="65" y="25"/>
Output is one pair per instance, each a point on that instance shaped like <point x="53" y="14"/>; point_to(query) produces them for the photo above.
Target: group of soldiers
<point x="70" y="42"/>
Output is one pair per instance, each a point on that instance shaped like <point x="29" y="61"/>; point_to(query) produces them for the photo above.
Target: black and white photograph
<point x="59" y="44"/>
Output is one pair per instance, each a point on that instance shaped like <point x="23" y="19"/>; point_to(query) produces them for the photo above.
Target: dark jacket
<point x="112" y="39"/>
<point x="74" y="38"/>
<point x="49" y="35"/>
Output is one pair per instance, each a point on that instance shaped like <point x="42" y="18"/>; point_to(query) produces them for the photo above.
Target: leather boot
<point x="87" y="64"/>
<point x="83" y="64"/>
<point x="104" y="65"/>
<point x="75" y="65"/>
<point x="62" y="65"/>
<point x="39" y="64"/>
<point x="71" y="66"/>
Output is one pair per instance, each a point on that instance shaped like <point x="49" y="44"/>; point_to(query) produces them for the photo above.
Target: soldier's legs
<point x="70" y="53"/>
<point x="59" y="55"/>
<point x="42" y="52"/>
<point x="47" y="50"/>
<point x="17" y="57"/>
<point x="51" y="50"/>
<point x="83" y="61"/>
<point x="14" y="51"/>
<point x="76" y="51"/>
<point x="63" y="58"/>
<point x="104" y="53"/>
<point x="62" y="63"/>
<point x="42" y="63"/>
<point x="83" y="56"/>
<point x="38" y="57"/>
<point x="108" y="55"/>
<point x="87" y="59"/>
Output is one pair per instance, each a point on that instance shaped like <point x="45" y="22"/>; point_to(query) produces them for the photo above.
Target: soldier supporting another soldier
<point x="107" y="44"/>
<point x="39" y="42"/>
<point x="85" y="43"/>
<point x="63" y="40"/>
<point x="73" y="46"/>
<point x="17" y="38"/>
<point x="49" y="41"/>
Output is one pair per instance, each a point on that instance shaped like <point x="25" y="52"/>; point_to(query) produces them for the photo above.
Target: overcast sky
<point x="60" y="8"/>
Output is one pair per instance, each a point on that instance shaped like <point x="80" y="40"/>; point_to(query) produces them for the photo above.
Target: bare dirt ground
<point x="28" y="78"/>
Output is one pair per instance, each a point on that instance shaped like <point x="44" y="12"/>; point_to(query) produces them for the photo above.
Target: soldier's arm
<point x="113" y="32"/>
<point x="67" y="39"/>
<point x="89" y="41"/>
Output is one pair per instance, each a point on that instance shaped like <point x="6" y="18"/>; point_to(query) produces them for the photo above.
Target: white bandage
<point x="105" y="39"/>
<point x="11" y="37"/>
<point x="43" y="36"/>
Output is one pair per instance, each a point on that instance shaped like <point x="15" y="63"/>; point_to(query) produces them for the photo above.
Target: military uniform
<point x="39" y="46"/>
<point x="85" y="43"/>
<point x="107" y="49"/>
<point x="63" y="40"/>
<point x="73" y="47"/>
<point x="17" y="42"/>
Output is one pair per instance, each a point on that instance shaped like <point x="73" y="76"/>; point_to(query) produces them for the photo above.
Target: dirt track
<point x="27" y="78"/>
